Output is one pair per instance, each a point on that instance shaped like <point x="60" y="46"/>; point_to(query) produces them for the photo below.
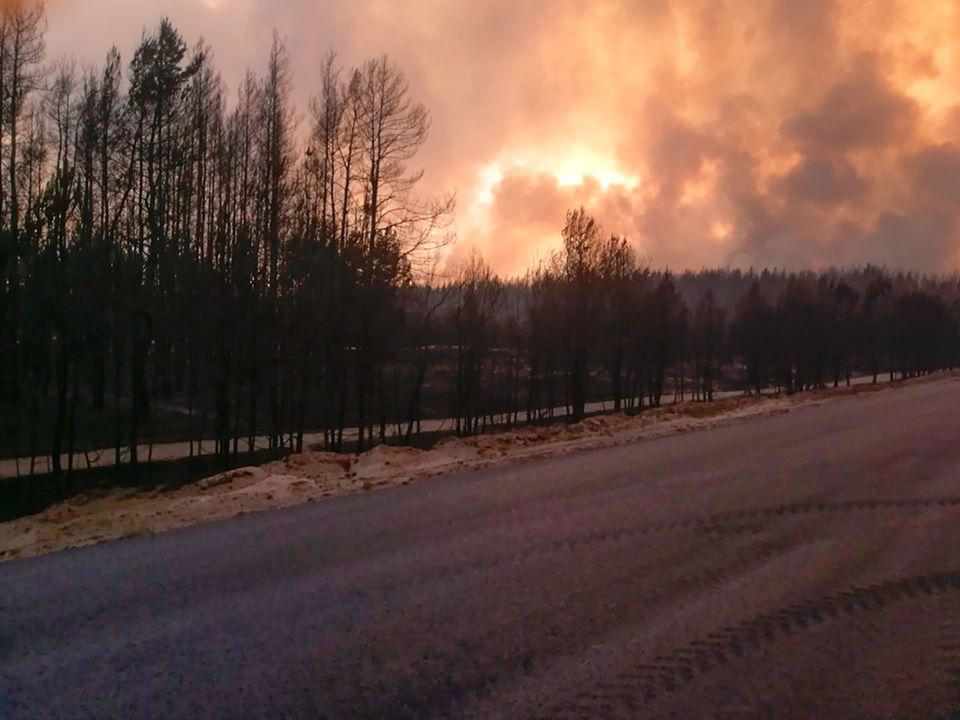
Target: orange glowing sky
<point x="711" y="132"/>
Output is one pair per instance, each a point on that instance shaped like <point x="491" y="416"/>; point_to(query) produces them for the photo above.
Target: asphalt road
<point x="804" y="565"/>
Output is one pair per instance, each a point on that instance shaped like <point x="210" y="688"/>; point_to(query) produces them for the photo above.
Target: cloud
<point x="933" y="173"/>
<point x="823" y="181"/>
<point x="709" y="131"/>
<point x="861" y="111"/>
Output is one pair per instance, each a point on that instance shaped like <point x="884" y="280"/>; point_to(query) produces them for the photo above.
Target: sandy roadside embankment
<point x="313" y="476"/>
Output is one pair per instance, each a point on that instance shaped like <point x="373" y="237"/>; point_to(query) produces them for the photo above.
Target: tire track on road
<point x="632" y="587"/>
<point x="631" y="691"/>
<point x="950" y="657"/>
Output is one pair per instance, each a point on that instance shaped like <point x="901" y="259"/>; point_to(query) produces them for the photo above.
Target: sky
<point x="788" y="133"/>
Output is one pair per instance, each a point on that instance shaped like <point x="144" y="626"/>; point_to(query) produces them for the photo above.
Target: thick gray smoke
<point x="774" y="132"/>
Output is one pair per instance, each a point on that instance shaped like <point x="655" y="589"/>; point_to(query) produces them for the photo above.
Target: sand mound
<point x="244" y="474"/>
<point x="385" y="459"/>
<point x="277" y="487"/>
<point x="314" y="465"/>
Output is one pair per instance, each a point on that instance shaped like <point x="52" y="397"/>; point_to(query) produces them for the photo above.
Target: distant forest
<point x="177" y="265"/>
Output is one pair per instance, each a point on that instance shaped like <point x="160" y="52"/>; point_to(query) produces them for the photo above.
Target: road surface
<point x="805" y="565"/>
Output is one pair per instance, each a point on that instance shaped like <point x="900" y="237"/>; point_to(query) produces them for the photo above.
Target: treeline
<point x="177" y="264"/>
<point x="167" y="252"/>
<point x="592" y="323"/>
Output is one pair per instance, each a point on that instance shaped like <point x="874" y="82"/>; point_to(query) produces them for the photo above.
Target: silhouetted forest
<point x="179" y="262"/>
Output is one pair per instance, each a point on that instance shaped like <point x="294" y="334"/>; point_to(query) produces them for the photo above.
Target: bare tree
<point x="578" y="264"/>
<point x="277" y="127"/>
<point x="708" y="338"/>
<point x="621" y="283"/>
<point x="479" y="294"/>
<point x="393" y="129"/>
<point x="24" y="26"/>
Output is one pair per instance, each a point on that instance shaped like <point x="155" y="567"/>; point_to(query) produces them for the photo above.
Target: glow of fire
<point x="571" y="169"/>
